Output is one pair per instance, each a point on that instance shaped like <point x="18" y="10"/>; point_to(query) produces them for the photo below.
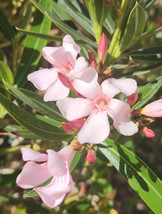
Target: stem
<point x="114" y="49"/>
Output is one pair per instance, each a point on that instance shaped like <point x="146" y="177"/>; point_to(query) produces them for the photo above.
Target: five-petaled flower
<point x="58" y="80"/>
<point x="97" y="104"/>
<point x="41" y="167"/>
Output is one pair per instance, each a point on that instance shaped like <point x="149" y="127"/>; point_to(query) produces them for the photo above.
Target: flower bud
<point x="91" y="156"/>
<point x="132" y="99"/>
<point x="148" y="132"/>
<point x="153" y="109"/>
<point x="91" y="56"/>
<point x="102" y="48"/>
<point x="73" y="126"/>
<point x="93" y="64"/>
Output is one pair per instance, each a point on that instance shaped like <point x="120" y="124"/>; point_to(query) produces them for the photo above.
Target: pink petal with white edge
<point x="67" y="153"/>
<point x="86" y="84"/>
<point x="70" y="45"/>
<point x="56" y="165"/>
<point x="57" y="91"/>
<point x="126" y="86"/>
<point x="42" y="79"/>
<point x="96" y="128"/>
<point x="32" y="175"/>
<point x="53" y="194"/>
<point x="73" y="109"/>
<point x="120" y="113"/>
<point x="80" y="65"/>
<point x="31" y="155"/>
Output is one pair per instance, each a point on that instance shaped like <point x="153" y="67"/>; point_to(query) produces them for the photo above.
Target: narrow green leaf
<point x="77" y="16"/>
<point x="35" y="125"/>
<point x="49" y="120"/>
<point x="20" y="131"/>
<point x="41" y="35"/>
<point x="139" y="176"/>
<point x="78" y="36"/>
<point x="5" y="27"/>
<point x="5" y="73"/>
<point x="33" y="45"/>
<point x="147" y="92"/>
<point x="151" y="33"/>
<point x="36" y="102"/>
<point x="148" y="54"/>
<point x="75" y="160"/>
<point x="134" y="28"/>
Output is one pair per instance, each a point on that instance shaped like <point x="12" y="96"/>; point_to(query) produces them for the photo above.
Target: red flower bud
<point x="91" y="156"/>
<point x="148" y="132"/>
<point x="73" y="126"/>
<point x="132" y="99"/>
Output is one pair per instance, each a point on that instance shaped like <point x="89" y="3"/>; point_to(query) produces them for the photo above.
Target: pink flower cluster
<point x="94" y="102"/>
<point x="88" y="115"/>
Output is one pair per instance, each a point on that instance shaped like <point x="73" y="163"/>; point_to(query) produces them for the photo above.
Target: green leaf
<point x="20" y="131"/>
<point x="148" y="54"/>
<point x="5" y="73"/>
<point x="78" y="36"/>
<point x="33" y="46"/>
<point x="41" y="35"/>
<point x="36" y="102"/>
<point x="5" y="27"/>
<point x="151" y="33"/>
<point x="139" y="176"/>
<point x="76" y="15"/>
<point x="97" y="12"/>
<point x="134" y="28"/>
<point x="42" y="129"/>
<point x="147" y="92"/>
<point x="75" y="160"/>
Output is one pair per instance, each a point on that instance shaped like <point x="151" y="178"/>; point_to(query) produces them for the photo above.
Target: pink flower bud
<point x="91" y="156"/>
<point x="132" y="99"/>
<point x="93" y="64"/>
<point x="73" y="126"/>
<point x="102" y="48"/>
<point x="91" y="56"/>
<point x="153" y="109"/>
<point x="148" y="132"/>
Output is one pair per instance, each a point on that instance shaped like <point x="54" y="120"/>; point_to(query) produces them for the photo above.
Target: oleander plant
<point x="80" y="107"/>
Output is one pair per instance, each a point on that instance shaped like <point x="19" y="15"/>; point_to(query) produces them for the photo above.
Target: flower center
<point x="101" y="103"/>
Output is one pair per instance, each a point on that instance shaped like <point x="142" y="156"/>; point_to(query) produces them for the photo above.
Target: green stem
<point x="114" y="49"/>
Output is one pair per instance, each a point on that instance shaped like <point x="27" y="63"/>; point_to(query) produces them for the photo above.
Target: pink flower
<point x="102" y="48"/>
<point x="55" y="165"/>
<point x="56" y="81"/>
<point x="97" y="104"/>
<point x="153" y="109"/>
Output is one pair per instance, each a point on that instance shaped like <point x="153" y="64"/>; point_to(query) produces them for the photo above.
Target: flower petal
<point x="80" y="65"/>
<point x="127" y="86"/>
<point x="56" y="165"/>
<point x="53" y="194"/>
<point x="67" y="153"/>
<point x="120" y="113"/>
<point x="31" y="155"/>
<point x="57" y="91"/>
<point x="42" y="79"/>
<point x="70" y="46"/>
<point x="32" y="175"/>
<point x="86" y="84"/>
<point x="109" y="89"/>
<point x="73" y="109"/>
<point x="96" y="128"/>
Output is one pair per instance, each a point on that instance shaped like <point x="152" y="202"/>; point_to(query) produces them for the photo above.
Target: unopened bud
<point x="73" y="126"/>
<point x="153" y="109"/>
<point x="148" y="132"/>
<point x="93" y="64"/>
<point x="91" y="56"/>
<point x="102" y="48"/>
<point x="108" y="71"/>
<point x="132" y="99"/>
<point x="91" y="156"/>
